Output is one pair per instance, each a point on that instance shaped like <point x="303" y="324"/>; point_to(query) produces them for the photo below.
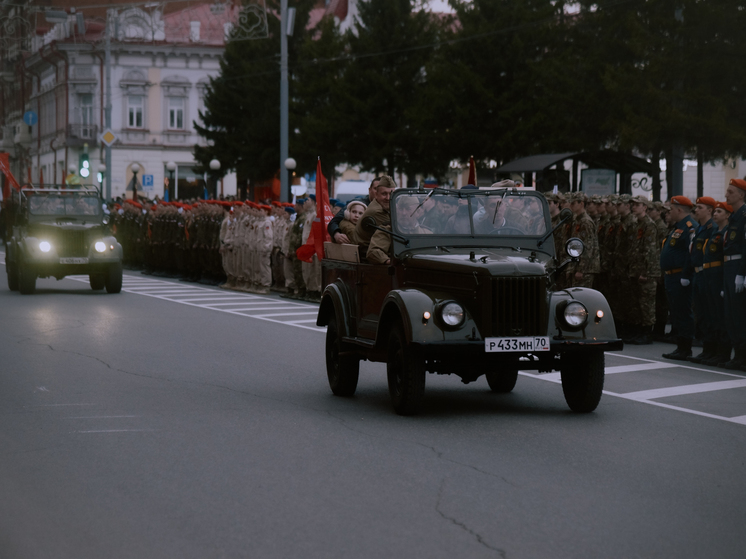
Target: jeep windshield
<point x="63" y="205"/>
<point x="473" y="213"/>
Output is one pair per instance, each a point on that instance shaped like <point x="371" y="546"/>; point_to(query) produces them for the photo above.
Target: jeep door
<point x="373" y="284"/>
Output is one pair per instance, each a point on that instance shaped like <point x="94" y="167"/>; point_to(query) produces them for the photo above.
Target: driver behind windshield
<point x="408" y="217"/>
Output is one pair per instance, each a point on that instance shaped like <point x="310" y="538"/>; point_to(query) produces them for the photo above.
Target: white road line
<point x="300" y="321"/>
<point x="740" y="419"/>
<point x="116" y="431"/>
<point x="101" y="416"/>
<point x="682" y="390"/>
<point x="642" y="367"/>
<point x="216" y="299"/>
<point x="286" y="314"/>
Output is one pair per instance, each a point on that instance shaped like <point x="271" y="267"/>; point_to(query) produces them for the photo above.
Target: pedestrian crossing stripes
<point x="291" y="313"/>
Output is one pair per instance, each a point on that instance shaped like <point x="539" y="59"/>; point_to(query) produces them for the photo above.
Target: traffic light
<point x="84" y="167"/>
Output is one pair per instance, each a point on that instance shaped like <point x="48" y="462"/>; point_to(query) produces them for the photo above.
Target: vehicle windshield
<point x="60" y="204"/>
<point x="494" y="212"/>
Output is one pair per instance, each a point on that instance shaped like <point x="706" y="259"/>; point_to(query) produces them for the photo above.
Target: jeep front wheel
<point x="12" y="270"/>
<point x="582" y="380"/>
<point x="26" y="280"/>
<point x="113" y="278"/>
<point x="405" y="370"/>
<point x="502" y="381"/>
<point x="97" y="281"/>
<point x="342" y="369"/>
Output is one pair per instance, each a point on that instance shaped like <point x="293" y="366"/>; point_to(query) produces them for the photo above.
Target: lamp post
<point x="171" y="166"/>
<point x="215" y="167"/>
<point x="290" y="165"/>
<point x="135" y="169"/>
<point x="101" y="177"/>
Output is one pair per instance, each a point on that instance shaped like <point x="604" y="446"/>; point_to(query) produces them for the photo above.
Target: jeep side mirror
<point x="369" y="225"/>
<point x="564" y="215"/>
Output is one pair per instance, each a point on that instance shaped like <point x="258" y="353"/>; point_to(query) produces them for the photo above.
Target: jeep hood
<point x="497" y="262"/>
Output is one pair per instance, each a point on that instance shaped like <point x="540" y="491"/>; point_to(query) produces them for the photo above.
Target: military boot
<point x="645" y="337"/>
<point x="721" y="356"/>
<point x="683" y="350"/>
<point x="738" y="361"/>
<point x="709" y="350"/>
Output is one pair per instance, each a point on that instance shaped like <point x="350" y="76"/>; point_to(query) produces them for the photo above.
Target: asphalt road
<point x="179" y="421"/>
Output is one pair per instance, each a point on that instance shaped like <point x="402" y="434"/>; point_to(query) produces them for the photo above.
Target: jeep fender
<point x="409" y="306"/>
<point x="335" y="302"/>
<point x="598" y="328"/>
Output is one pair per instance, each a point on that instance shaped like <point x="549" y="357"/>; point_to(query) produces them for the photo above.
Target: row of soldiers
<point x="239" y="245"/>
<point x="653" y="260"/>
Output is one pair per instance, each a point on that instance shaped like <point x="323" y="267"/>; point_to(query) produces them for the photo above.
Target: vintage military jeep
<point x="59" y="232"/>
<point x="469" y="291"/>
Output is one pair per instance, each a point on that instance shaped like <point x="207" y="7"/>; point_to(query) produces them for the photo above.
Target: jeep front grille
<point x="519" y="306"/>
<point x="72" y="243"/>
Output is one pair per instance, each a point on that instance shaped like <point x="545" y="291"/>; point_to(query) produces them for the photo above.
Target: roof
<point x="604" y="159"/>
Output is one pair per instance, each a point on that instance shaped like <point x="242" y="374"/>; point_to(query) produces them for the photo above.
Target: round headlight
<point x="452" y="314"/>
<point x="574" y="247"/>
<point x="44" y="246"/>
<point x="105" y="220"/>
<point x="100" y="246"/>
<point x="576" y="314"/>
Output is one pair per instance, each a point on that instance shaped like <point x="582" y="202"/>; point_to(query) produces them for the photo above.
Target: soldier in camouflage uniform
<point x="553" y="201"/>
<point x="295" y="241"/>
<point x="583" y="272"/>
<point x="624" y="289"/>
<point x="643" y="274"/>
<point x="655" y="212"/>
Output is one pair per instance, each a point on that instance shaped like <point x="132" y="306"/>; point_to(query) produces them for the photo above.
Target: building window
<point x="86" y="115"/>
<point x="176" y="113"/>
<point x="134" y="111"/>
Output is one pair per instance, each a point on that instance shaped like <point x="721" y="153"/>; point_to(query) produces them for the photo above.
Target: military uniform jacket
<point x="698" y="246"/>
<point x="382" y="217"/>
<point x="583" y="227"/>
<point x="675" y="253"/>
<point x="735" y="238"/>
<point x="646" y="260"/>
<point x="625" y="242"/>
<point x="713" y="250"/>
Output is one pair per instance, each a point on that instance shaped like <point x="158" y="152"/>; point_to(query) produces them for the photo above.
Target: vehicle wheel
<point x="342" y="370"/>
<point x="582" y="380"/>
<point x="113" y="278"/>
<point x="502" y="381"/>
<point x="97" y="281"/>
<point x="12" y="270"/>
<point x="26" y="280"/>
<point x="405" y="370"/>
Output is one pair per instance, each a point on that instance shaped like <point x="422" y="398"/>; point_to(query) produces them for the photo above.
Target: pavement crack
<point x="440" y="456"/>
<point x="455" y="522"/>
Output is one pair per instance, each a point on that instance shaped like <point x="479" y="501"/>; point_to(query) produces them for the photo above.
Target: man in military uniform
<point x="583" y="272"/>
<point x="655" y="212"/>
<point x="704" y="329"/>
<point x="734" y="273"/>
<point x="294" y="242"/>
<point x="713" y="283"/>
<point x="676" y="265"/>
<point x="643" y="273"/>
<point x="408" y="216"/>
<point x="623" y="288"/>
<point x="378" y="209"/>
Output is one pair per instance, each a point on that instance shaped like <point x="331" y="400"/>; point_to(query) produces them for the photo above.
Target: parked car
<point x="471" y="293"/>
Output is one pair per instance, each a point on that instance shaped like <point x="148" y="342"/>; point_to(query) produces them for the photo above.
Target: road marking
<point x="100" y="416"/>
<point x="683" y="390"/>
<point x="642" y="367"/>
<point x="116" y="431"/>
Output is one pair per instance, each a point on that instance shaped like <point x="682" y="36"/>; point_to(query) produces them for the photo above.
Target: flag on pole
<point x="319" y="233"/>
<point x="472" y="172"/>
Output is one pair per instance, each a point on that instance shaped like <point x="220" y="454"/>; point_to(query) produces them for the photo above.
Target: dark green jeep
<point x="60" y="232"/>
<point x="469" y="291"/>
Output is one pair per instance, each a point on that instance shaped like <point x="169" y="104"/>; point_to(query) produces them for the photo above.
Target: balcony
<point x="78" y="134"/>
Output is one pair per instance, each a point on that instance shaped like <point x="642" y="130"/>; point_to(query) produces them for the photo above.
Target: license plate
<point x="73" y="261"/>
<point x="533" y="344"/>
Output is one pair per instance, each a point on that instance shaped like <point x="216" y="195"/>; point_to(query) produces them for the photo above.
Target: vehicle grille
<point x="72" y="243"/>
<point x="519" y="306"/>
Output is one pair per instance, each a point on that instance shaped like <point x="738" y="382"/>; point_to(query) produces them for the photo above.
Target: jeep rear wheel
<point x="97" y="281"/>
<point x="113" y="278"/>
<point x="342" y="369"/>
<point x="582" y="380"/>
<point x="502" y="381"/>
<point x="405" y="370"/>
<point x="12" y="271"/>
<point x="26" y="280"/>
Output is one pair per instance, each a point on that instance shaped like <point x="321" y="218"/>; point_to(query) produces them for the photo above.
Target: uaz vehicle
<point x="469" y="291"/>
<point x="60" y="232"/>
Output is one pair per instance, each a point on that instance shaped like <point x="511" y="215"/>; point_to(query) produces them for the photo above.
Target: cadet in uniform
<point x="676" y="265"/>
<point x="734" y="272"/>
<point x="583" y="272"/>
<point x="703" y="326"/>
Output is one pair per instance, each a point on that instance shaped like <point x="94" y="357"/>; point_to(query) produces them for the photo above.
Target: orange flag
<point x="319" y="233"/>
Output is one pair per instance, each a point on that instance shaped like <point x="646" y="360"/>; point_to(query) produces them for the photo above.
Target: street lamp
<point x="290" y="165"/>
<point x="215" y="167"/>
<point x="135" y="169"/>
<point x="171" y="166"/>
<point x="101" y="173"/>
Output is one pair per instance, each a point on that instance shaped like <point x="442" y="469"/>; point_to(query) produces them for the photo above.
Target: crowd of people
<point x="681" y="262"/>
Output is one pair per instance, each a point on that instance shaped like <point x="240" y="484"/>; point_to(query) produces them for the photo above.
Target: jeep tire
<point x="26" y="280"/>
<point x="342" y="368"/>
<point x="582" y="380"/>
<point x="113" y="278"/>
<point x="405" y="370"/>
<point x="97" y="281"/>
<point x="12" y="270"/>
<point x="502" y="381"/>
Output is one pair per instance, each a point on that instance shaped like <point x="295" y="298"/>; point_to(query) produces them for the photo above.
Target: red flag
<point x="472" y="172"/>
<point x="319" y="233"/>
<point x="9" y="178"/>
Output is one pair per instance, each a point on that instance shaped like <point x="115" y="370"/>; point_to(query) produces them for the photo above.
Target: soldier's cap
<point x="276" y="203"/>
<point x="550" y="196"/>
<point x="576" y="197"/>
<point x="624" y="199"/>
<point x="657" y="206"/>
<point x="738" y="183"/>
<point x="682" y="201"/>
<point x="641" y="200"/>
<point x="300" y="201"/>
<point x="290" y="211"/>
<point x="666" y="206"/>
<point x="707" y="201"/>
<point x="724" y="206"/>
<point x="312" y="197"/>
<point x="595" y="199"/>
